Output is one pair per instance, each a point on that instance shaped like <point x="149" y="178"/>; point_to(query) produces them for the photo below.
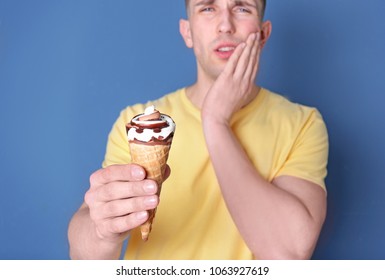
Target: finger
<point x="123" y="224"/>
<point x="258" y="56"/>
<point x="121" y="190"/>
<point x="250" y="72"/>
<point x="233" y="60"/>
<point x="124" y="207"/>
<point x="124" y="172"/>
<point x="244" y="59"/>
<point x="167" y="172"/>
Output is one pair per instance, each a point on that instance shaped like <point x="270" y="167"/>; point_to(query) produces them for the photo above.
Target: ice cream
<point x="149" y="136"/>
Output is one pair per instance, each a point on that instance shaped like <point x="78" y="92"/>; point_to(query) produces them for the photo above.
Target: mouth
<point x="224" y="51"/>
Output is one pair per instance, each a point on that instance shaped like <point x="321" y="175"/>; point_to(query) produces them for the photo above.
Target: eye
<point x="207" y="9"/>
<point x="242" y="10"/>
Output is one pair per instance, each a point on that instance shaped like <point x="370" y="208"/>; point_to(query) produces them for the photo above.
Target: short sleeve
<point x="308" y="156"/>
<point x="117" y="150"/>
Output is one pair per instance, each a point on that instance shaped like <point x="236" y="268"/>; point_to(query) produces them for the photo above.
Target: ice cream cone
<point x="153" y="159"/>
<point x="149" y="137"/>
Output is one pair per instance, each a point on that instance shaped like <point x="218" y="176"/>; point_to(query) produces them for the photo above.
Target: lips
<point x="225" y="50"/>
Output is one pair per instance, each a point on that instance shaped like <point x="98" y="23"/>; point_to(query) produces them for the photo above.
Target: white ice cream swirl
<point x="151" y="126"/>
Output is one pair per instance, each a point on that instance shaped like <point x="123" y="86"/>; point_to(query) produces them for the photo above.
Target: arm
<point x="280" y="219"/>
<point x="115" y="203"/>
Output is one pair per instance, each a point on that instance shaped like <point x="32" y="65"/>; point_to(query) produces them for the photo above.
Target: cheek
<point x="200" y="43"/>
<point x="198" y="50"/>
<point x="251" y="26"/>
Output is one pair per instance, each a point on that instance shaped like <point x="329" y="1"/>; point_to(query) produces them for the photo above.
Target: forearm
<point x="84" y="242"/>
<point x="273" y="222"/>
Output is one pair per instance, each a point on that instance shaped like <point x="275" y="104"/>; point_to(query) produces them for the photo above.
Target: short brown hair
<point x="262" y="1"/>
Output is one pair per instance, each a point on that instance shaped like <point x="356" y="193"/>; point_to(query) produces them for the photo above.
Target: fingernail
<point x="252" y="36"/>
<point x="149" y="187"/>
<point x="151" y="201"/>
<point x="137" y="172"/>
<point x="141" y="215"/>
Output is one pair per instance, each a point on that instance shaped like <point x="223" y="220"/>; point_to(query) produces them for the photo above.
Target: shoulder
<point x="281" y="103"/>
<point x="283" y="109"/>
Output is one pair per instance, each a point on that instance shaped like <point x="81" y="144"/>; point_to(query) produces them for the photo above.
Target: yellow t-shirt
<point x="192" y="221"/>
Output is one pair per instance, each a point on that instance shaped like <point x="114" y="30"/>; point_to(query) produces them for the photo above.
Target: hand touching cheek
<point x="233" y="88"/>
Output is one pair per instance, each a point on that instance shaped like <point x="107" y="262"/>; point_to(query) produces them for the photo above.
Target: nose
<point x="226" y="24"/>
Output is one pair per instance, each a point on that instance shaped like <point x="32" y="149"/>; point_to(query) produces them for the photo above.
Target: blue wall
<point x="68" y="67"/>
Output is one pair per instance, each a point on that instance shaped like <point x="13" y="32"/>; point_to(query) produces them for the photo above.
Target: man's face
<point x="216" y="27"/>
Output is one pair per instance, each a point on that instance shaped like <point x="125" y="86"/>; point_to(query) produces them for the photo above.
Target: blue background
<point x="67" y="68"/>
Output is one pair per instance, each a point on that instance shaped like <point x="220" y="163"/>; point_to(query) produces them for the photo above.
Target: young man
<point x="248" y="166"/>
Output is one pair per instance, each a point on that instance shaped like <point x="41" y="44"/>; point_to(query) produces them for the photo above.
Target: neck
<point x="196" y="93"/>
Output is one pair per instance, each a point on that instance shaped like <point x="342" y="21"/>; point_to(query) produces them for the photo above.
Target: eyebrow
<point x="237" y="3"/>
<point x="243" y="3"/>
<point x="204" y="2"/>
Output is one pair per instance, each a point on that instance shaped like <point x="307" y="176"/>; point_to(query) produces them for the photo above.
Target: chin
<point x="214" y="73"/>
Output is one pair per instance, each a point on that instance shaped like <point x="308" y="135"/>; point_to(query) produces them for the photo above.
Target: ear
<point x="185" y="31"/>
<point x="265" y="32"/>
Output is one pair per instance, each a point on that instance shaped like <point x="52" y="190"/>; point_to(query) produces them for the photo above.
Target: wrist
<point x="85" y="241"/>
<point x="213" y="124"/>
<point x="210" y="119"/>
<point x="103" y="248"/>
<point x="214" y="129"/>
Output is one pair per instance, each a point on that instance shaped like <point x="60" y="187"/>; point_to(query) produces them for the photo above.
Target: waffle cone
<point x="153" y="159"/>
